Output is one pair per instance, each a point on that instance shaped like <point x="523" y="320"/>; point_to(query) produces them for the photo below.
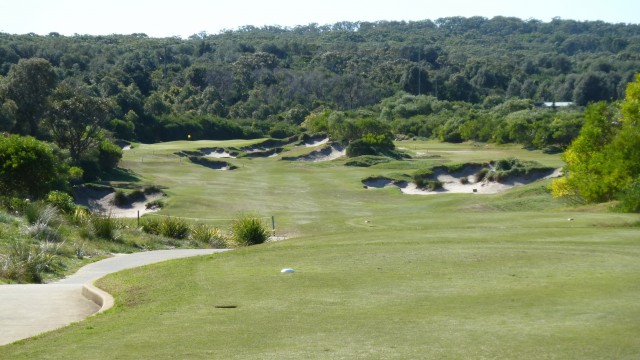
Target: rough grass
<point x="379" y="274"/>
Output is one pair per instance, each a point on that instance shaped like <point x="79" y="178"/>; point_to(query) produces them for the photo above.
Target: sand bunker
<point x="217" y="153"/>
<point x="258" y="153"/>
<point x="454" y="183"/>
<point x="327" y="153"/>
<point x="212" y="164"/>
<point x="101" y="201"/>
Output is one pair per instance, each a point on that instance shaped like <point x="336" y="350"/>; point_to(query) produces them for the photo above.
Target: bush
<point x="249" y="230"/>
<point x="62" y="201"/>
<point x="13" y="204"/>
<point x="175" y="228"/>
<point x="630" y="198"/>
<point x="360" y="147"/>
<point x="109" y="156"/>
<point x="30" y="168"/>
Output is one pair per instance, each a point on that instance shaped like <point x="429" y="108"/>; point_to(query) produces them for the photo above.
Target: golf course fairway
<point x="378" y="274"/>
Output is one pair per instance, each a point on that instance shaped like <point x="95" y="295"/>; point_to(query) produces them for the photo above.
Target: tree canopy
<point x="603" y="163"/>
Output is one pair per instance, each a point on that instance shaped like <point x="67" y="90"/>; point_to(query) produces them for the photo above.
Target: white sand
<point x="219" y="154"/>
<point x="101" y="201"/>
<point x="317" y="142"/>
<point x="452" y="184"/>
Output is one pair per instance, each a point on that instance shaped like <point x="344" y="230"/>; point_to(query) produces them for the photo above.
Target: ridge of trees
<point x="279" y="74"/>
<point x="453" y="79"/>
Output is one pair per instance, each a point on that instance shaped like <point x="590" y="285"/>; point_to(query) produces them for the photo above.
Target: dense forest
<point x="453" y="79"/>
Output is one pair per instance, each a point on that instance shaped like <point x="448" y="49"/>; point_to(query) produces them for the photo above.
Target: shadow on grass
<point x="121" y="175"/>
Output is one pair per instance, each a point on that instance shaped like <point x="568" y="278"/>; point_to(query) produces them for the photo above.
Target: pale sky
<point x="183" y="18"/>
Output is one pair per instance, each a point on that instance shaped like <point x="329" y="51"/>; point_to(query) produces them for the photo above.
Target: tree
<point x="8" y="108"/>
<point x="30" y="168"/>
<point x="76" y="119"/>
<point x="29" y="83"/>
<point x="604" y="162"/>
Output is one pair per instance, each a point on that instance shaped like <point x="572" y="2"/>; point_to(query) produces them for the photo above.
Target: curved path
<point x="28" y="310"/>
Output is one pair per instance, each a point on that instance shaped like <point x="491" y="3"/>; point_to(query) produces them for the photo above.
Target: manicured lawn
<point x="379" y="274"/>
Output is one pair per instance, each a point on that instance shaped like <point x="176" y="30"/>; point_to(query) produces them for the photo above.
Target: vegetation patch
<point x="378" y="182"/>
<point x="367" y="161"/>
<point x="211" y="163"/>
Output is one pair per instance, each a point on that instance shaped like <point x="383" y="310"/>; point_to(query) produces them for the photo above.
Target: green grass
<point x="379" y="274"/>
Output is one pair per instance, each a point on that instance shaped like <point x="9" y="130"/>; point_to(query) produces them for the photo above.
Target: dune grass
<point x="379" y="274"/>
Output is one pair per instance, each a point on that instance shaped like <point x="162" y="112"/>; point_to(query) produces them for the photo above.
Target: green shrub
<point x="249" y="230"/>
<point x="30" y="168"/>
<point x="630" y="198"/>
<point x="62" y="201"/>
<point x="13" y="204"/>
<point x="175" y="228"/>
<point x="109" y="155"/>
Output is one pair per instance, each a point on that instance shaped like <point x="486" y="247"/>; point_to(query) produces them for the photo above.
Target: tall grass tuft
<point x="150" y="225"/>
<point x="249" y="230"/>
<point x="42" y="231"/>
<point x="209" y="235"/>
<point x="42" y="213"/>
<point x="28" y="262"/>
<point x="105" y="227"/>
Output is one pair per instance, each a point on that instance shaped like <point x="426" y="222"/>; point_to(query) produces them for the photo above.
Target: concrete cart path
<point x="28" y="310"/>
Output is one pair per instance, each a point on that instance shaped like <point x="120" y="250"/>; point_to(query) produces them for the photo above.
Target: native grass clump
<point x="249" y="230"/>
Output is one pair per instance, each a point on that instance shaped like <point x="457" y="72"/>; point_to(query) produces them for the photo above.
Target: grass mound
<point x="367" y="161"/>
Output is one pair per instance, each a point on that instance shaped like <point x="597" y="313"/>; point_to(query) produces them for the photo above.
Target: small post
<point x="273" y="225"/>
<point x="138" y="218"/>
